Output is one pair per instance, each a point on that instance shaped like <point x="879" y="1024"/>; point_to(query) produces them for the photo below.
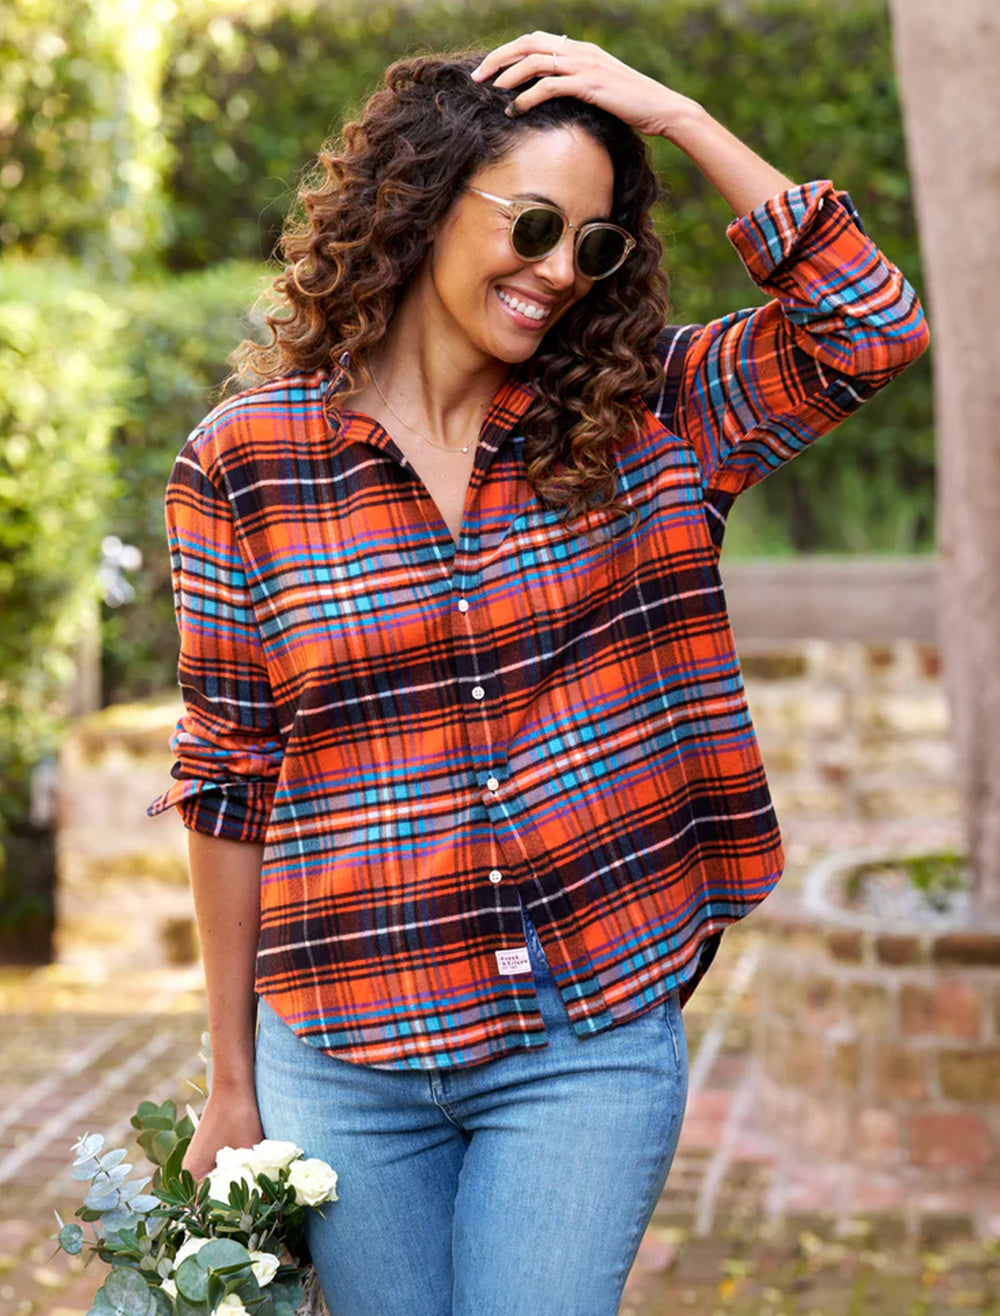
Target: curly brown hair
<point x="358" y="232"/>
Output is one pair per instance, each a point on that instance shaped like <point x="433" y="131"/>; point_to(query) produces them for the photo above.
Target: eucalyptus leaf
<point x="128" y="1293"/>
<point x="164" y="1304"/>
<point x="112" y="1158"/>
<point x="101" y="1199"/>
<point x="222" y="1252"/>
<point x="134" y="1186"/>
<point x="192" y="1279"/>
<point x="86" y="1169"/>
<point x="163" y="1144"/>
<point x="115" y="1178"/>
<point x="120" y="1218"/>
<point x="185" y="1307"/>
<point x="71" y="1239"/>
<point x="156" y="1224"/>
<point x="88" y="1145"/>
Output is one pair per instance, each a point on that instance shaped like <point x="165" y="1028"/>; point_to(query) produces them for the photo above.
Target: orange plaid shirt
<point x="425" y="736"/>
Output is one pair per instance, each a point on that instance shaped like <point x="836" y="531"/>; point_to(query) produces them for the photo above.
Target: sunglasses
<point x="537" y="229"/>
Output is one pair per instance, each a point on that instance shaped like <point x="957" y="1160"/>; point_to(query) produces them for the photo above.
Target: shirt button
<point x="496" y="875"/>
<point x="492" y="783"/>
<point x="463" y="605"/>
<point x="478" y="692"/>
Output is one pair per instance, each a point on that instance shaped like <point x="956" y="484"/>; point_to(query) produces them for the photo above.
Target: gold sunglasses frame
<point x="517" y="208"/>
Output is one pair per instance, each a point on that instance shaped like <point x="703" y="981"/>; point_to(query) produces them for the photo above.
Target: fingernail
<point x="510" y="112"/>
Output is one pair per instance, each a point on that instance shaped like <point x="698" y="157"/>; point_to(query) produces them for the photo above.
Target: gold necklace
<point x="444" y="447"/>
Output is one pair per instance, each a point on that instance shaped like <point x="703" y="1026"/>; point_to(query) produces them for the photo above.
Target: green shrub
<point x="80" y="148"/>
<point x="60" y="396"/>
<point x="175" y="337"/>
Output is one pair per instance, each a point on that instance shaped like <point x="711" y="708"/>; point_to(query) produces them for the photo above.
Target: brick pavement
<point x="733" y="1232"/>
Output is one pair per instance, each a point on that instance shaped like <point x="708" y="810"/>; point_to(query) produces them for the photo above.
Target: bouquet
<point x="235" y="1243"/>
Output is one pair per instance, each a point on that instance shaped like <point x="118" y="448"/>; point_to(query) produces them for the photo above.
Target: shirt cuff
<point x="238" y="810"/>
<point x="769" y="234"/>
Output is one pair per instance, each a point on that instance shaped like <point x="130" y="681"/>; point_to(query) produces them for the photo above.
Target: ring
<point x="554" y="53"/>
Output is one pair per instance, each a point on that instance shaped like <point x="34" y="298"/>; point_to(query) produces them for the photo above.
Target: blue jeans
<point x="517" y="1187"/>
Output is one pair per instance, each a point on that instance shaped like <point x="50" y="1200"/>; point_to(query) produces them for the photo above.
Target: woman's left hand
<point x="586" y="71"/>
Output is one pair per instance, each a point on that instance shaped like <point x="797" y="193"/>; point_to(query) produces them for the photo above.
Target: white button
<point x="496" y="875"/>
<point x="463" y="605"/>
<point x="492" y="783"/>
<point x="478" y="692"/>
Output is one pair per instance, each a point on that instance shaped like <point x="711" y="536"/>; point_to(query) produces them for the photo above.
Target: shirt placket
<point x="479" y="691"/>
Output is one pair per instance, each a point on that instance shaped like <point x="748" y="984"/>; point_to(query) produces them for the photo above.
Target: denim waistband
<point x="536" y="952"/>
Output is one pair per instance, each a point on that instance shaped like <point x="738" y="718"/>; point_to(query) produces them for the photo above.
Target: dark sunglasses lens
<point x="536" y="233"/>
<point x="600" y="250"/>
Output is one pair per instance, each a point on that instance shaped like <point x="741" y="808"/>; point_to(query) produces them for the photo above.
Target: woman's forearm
<point x="225" y="882"/>
<point x="741" y="177"/>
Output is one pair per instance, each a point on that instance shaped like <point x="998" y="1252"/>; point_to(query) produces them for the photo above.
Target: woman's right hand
<point x="230" y="1119"/>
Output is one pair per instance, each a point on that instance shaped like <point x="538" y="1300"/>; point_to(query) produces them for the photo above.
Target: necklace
<point x="443" y="446"/>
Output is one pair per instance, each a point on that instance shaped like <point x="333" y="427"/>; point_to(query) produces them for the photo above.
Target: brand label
<point x="514" y="960"/>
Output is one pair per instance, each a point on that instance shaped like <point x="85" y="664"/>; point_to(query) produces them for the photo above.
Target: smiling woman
<point x="466" y="750"/>
<point x="406" y="177"/>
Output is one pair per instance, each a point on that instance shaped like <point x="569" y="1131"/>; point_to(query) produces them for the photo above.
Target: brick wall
<point x="881" y="1046"/>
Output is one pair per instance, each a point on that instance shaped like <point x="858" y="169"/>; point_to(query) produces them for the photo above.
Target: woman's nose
<point x="559" y="265"/>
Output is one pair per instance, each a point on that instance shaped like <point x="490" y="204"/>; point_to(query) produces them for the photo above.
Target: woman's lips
<point x="524" y="321"/>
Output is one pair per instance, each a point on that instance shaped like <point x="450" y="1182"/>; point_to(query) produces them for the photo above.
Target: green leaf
<point x="172" y="1163"/>
<point x="222" y="1253"/>
<point x="192" y="1279"/>
<point x="71" y="1239"/>
<point x="185" y="1307"/>
<point x="164" y="1303"/>
<point x="162" y="1145"/>
<point x="126" y="1293"/>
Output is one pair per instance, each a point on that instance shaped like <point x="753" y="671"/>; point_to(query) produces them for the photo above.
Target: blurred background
<point x="842" y="1145"/>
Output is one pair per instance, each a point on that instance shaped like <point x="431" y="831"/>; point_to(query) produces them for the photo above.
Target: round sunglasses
<point x="536" y="229"/>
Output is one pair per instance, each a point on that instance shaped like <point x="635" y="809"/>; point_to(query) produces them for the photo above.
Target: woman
<point x="470" y="781"/>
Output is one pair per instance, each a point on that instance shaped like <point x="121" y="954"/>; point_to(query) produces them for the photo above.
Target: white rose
<point x="273" y="1155"/>
<point x="188" y="1248"/>
<point x="231" y="1306"/>
<point x="220" y="1180"/>
<point x="264" y="1266"/>
<point x="314" y="1182"/>
<point x="234" y="1157"/>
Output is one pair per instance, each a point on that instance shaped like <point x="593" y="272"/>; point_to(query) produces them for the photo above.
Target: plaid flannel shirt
<point x="426" y="735"/>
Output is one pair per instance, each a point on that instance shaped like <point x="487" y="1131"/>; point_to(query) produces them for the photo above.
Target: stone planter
<point x="878" y="1048"/>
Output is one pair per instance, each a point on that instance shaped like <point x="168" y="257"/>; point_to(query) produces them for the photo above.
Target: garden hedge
<point x="62" y="392"/>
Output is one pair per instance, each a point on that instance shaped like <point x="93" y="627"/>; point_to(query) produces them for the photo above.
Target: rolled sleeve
<point x="754" y="388"/>
<point x="227" y="745"/>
